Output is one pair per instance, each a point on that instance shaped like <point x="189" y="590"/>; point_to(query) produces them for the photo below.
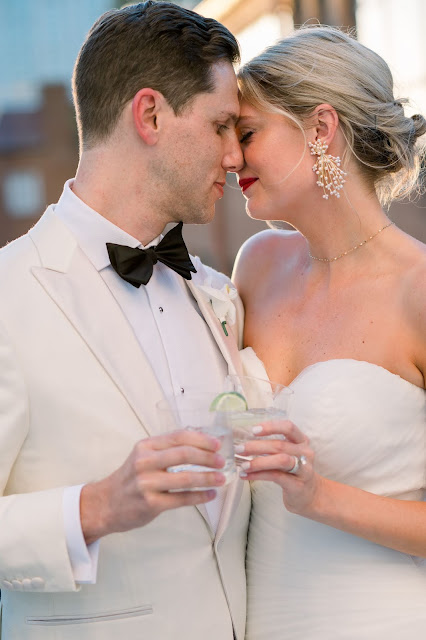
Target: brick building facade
<point x="38" y="152"/>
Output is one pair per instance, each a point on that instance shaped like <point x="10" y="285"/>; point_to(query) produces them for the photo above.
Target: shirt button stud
<point x="182" y="390"/>
<point x="160" y="309"/>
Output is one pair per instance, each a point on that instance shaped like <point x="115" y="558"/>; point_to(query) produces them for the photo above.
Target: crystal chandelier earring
<point x="327" y="167"/>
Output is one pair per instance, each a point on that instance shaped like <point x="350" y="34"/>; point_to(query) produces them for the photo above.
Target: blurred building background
<point x="40" y="39"/>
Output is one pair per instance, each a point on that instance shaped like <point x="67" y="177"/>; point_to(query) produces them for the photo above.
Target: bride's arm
<point x="398" y="524"/>
<point x="415" y="308"/>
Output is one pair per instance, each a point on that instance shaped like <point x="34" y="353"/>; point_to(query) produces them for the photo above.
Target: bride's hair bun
<point x="319" y="65"/>
<point x="419" y="125"/>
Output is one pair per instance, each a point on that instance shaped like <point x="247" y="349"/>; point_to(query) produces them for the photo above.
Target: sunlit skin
<point x="198" y="149"/>
<point x="370" y="306"/>
<point x="280" y="179"/>
<point x="158" y="167"/>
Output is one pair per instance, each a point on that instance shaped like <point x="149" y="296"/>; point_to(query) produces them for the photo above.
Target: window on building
<point x="23" y="193"/>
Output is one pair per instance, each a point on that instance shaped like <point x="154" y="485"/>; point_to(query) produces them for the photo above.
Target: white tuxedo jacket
<point x="76" y="394"/>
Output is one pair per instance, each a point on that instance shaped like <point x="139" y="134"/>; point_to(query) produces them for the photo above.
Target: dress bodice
<point x="307" y="580"/>
<point x="365" y="424"/>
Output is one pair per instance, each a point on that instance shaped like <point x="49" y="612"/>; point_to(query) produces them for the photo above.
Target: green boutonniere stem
<point x="224" y="328"/>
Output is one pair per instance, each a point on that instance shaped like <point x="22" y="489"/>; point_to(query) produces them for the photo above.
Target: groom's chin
<point x="201" y="216"/>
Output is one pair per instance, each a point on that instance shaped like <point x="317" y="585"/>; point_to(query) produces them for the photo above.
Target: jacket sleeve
<point x="33" y="553"/>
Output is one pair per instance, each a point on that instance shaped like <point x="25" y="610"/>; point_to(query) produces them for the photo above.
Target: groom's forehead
<point x="221" y="103"/>
<point x="224" y="95"/>
<point x="211" y="107"/>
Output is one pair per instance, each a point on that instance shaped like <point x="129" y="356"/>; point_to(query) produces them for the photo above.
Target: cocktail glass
<point x="267" y="402"/>
<point x="192" y="411"/>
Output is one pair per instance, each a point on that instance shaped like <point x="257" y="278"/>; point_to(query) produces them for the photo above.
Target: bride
<point x="337" y="311"/>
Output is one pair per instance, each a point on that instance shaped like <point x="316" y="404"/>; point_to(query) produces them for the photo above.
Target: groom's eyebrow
<point x="229" y="115"/>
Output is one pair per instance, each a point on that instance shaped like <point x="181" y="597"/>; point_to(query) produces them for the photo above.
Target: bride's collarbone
<point x="366" y="322"/>
<point x="290" y="345"/>
<point x="287" y="370"/>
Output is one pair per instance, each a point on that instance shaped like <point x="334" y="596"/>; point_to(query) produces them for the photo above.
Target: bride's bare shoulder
<point x="264" y="251"/>
<point x="266" y="247"/>
<point x="413" y="263"/>
<point x="414" y="300"/>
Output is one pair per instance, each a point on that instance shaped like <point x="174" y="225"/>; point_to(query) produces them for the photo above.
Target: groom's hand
<point x="142" y="487"/>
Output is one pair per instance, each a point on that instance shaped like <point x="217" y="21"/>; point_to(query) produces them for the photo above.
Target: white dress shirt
<point x="171" y="332"/>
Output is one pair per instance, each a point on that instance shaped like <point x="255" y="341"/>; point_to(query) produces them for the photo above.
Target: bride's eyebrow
<point x="244" y="119"/>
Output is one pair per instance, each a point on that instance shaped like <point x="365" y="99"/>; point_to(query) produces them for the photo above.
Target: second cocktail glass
<point x="266" y="402"/>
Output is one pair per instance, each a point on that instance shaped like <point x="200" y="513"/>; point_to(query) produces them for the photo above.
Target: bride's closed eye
<point x="246" y="136"/>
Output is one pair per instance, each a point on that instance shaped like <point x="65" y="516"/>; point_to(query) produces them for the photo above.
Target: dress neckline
<point x="361" y="362"/>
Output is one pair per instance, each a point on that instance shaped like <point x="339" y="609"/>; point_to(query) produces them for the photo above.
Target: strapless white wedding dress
<point x="308" y="581"/>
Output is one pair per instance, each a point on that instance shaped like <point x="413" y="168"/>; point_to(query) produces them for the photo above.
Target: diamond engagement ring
<point x="297" y="462"/>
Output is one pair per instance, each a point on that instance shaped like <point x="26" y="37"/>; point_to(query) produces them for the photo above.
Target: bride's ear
<point x="325" y="123"/>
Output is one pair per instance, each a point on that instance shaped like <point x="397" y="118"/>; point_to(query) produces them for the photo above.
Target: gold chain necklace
<point x="361" y="244"/>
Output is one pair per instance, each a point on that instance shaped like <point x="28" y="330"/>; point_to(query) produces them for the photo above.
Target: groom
<point x="94" y="332"/>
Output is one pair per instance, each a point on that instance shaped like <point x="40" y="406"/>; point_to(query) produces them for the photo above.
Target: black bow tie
<point x="136" y="265"/>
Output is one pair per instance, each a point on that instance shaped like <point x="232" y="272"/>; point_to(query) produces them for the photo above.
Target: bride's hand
<point x="287" y="462"/>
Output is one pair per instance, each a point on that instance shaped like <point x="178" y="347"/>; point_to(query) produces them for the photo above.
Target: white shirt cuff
<point x="83" y="557"/>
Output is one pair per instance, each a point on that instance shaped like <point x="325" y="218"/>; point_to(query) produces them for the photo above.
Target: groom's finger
<point x="148" y="460"/>
<point x="184" y="499"/>
<point x="180" y="438"/>
<point x="167" y="481"/>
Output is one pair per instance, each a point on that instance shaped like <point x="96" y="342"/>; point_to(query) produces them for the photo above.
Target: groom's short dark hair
<point x="150" y="44"/>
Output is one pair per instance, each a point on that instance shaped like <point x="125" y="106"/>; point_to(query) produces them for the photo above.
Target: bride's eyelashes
<point x="246" y="136"/>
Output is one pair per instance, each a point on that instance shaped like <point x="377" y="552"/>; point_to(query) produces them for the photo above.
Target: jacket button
<point x="26" y="584"/>
<point x="37" y="583"/>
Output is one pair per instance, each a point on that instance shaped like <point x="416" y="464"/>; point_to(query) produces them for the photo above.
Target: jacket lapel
<point x="228" y="345"/>
<point x="77" y="288"/>
<point x="233" y="495"/>
<point x="229" y="348"/>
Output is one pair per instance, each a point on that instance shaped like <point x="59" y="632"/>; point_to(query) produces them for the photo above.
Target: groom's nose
<point x="233" y="159"/>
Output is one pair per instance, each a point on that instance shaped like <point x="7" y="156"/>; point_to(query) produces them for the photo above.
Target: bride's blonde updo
<point x="319" y="64"/>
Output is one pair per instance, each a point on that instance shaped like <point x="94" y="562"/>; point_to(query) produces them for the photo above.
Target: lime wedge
<point x="229" y="401"/>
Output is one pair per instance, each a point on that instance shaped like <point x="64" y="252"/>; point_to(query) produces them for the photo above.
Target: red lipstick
<point x="245" y="183"/>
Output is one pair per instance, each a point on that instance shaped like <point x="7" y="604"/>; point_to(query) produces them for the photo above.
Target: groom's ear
<point x="147" y="107"/>
<point x="326" y="123"/>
